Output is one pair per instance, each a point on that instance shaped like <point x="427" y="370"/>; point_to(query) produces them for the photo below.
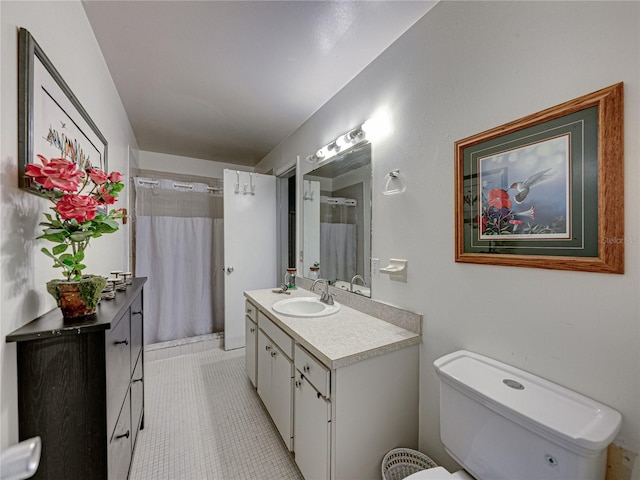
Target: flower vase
<point x="77" y="299"/>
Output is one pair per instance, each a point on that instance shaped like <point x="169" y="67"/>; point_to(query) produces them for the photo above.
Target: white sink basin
<point x="305" y="307"/>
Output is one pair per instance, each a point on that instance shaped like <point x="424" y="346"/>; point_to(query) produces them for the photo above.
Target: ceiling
<point x="229" y="80"/>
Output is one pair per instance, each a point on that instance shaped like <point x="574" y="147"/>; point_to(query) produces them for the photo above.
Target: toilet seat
<point x="439" y="473"/>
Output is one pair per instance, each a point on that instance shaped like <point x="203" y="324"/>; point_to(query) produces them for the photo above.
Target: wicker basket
<point x="402" y="462"/>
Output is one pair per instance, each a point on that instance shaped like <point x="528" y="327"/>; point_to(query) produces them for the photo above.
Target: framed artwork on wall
<point x="545" y="191"/>
<point x="51" y="120"/>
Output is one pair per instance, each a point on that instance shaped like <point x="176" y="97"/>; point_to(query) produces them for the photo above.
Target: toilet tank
<point x="501" y="423"/>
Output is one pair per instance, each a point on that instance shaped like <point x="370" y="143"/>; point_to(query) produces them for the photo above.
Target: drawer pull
<point x="267" y="347"/>
<point x="252" y="329"/>
<point x="124" y="435"/>
<point x="122" y="342"/>
<point x="306" y="369"/>
<point x="137" y="313"/>
<point x="249" y="311"/>
<point x="273" y="354"/>
<point x="137" y="380"/>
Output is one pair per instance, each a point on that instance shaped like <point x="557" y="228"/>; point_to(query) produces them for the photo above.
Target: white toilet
<point x="501" y="423"/>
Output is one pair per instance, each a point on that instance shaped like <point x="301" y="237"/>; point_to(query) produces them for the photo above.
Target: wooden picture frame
<point x="51" y="120"/>
<point x="545" y="191"/>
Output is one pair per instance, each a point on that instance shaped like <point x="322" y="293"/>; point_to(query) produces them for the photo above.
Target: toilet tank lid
<point x="535" y="403"/>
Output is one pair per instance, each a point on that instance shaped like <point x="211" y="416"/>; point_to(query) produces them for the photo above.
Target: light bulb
<point x="343" y="140"/>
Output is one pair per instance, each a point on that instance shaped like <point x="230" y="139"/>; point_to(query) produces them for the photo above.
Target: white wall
<point x="464" y="68"/>
<point x="165" y="162"/>
<point x="64" y="33"/>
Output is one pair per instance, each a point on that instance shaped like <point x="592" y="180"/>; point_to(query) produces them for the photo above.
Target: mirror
<point x="337" y="220"/>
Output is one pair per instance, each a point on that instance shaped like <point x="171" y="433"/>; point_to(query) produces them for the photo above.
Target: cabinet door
<point x="312" y="430"/>
<point x="281" y="408"/>
<point x="264" y="368"/>
<point x="251" y="336"/>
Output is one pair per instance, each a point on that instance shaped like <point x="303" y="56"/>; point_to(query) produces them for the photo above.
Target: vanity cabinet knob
<point x="122" y="342"/>
<point x="306" y="369"/>
<point x="249" y="311"/>
<point x="297" y="384"/>
<point x="124" y="435"/>
<point x="273" y="354"/>
<point x="267" y="347"/>
<point x="252" y="329"/>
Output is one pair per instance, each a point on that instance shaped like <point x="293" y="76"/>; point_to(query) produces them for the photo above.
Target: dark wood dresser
<point x="81" y="388"/>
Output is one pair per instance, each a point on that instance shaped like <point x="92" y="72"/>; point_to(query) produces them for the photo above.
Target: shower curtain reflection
<point x="179" y="247"/>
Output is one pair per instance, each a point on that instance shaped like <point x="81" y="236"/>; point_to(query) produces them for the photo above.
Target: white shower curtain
<point x="179" y="248"/>
<point x="176" y="255"/>
<point x="338" y="251"/>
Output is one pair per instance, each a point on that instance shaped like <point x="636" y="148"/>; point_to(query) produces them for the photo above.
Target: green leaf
<point x="78" y="257"/>
<point x="57" y="238"/>
<point x="69" y="262"/>
<point x="79" y="236"/>
<point x="79" y="266"/>
<point x="116" y="187"/>
<point x="58" y="249"/>
<point x="47" y="252"/>
<point x="53" y="231"/>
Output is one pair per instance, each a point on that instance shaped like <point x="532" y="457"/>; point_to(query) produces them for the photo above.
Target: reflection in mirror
<point x="337" y="221"/>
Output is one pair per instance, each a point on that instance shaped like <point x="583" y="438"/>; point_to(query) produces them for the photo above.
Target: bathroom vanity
<point x="81" y="388"/>
<point x="342" y="389"/>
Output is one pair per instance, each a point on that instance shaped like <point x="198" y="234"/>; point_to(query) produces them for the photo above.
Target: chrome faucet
<point x="325" y="297"/>
<point x="356" y="277"/>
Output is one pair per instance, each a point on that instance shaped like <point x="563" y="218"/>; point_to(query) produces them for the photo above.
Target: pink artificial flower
<point x="103" y="196"/>
<point x="98" y="176"/>
<point x="57" y="173"/>
<point x="115" y="177"/>
<point x="80" y="207"/>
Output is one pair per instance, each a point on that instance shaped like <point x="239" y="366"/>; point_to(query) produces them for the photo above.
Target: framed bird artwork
<point x="545" y="191"/>
<point x="51" y="120"/>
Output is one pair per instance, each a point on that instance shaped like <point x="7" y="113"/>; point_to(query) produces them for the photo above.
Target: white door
<point x="249" y="245"/>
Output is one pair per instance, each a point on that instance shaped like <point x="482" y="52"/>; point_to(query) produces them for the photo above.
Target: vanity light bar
<point x="343" y="142"/>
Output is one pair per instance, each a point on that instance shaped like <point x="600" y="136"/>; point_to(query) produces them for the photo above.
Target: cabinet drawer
<point x="137" y="399"/>
<point x="118" y="367"/>
<point x="279" y="337"/>
<point x="136" y="330"/>
<point x="314" y="371"/>
<point x="250" y="310"/>
<point x="120" y="445"/>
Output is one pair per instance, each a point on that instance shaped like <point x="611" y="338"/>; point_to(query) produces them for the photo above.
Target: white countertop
<point x="338" y="340"/>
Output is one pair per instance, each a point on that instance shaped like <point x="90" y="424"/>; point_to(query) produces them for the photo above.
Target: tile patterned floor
<point x="203" y="420"/>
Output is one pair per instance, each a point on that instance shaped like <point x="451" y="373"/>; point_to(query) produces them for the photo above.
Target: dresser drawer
<point x="279" y="337"/>
<point x="136" y="330"/>
<point x="251" y="311"/>
<point x="118" y="364"/>
<point x="120" y="444"/>
<point x="137" y="399"/>
<point x="314" y="371"/>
